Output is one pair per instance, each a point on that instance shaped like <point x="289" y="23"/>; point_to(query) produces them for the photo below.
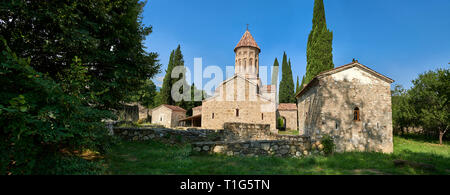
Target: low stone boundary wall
<point x="170" y="135"/>
<point x="279" y="148"/>
<point x="237" y="139"/>
<point x="248" y="132"/>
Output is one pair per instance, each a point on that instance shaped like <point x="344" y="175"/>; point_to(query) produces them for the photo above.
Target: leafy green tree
<point x="297" y="86"/>
<point x="146" y="95"/>
<point x="286" y="93"/>
<point x="403" y="112"/>
<point x="430" y="96"/>
<point x="107" y="36"/>
<point x="44" y="123"/>
<point x="319" y="48"/>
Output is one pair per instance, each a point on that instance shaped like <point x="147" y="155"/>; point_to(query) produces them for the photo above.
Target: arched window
<point x="262" y="116"/>
<point x="212" y="116"/>
<point x="356" y="114"/>
<point x="237" y="112"/>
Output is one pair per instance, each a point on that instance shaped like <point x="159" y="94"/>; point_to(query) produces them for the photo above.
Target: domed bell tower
<point x="247" y="57"/>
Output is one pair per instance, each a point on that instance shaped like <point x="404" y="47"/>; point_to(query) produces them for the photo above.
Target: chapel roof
<point x="354" y="63"/>
<point x="247" y="41"/>
<point x="174" y="108"/>
<point x="287" y="106"/>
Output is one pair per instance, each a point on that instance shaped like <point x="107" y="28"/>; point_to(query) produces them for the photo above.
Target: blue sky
<point x="397" y="38"/>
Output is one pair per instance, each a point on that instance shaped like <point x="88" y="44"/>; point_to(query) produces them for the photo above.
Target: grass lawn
<point x="157" y="158"/>
<point x="288" y="132"/>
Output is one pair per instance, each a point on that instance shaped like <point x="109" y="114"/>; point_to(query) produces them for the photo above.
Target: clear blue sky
<point x="397" y="38"/>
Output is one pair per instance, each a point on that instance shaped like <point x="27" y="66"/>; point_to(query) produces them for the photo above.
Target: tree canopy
<point x="286" y="93"/>
<point x="107" y="37"/>
<point x="425" y="105"/>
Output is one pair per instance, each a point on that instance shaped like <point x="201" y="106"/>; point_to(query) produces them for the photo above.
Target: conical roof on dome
<point x="247" y="41"/>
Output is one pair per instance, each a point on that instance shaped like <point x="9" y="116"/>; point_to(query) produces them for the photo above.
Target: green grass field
<point x="157" y="158"/>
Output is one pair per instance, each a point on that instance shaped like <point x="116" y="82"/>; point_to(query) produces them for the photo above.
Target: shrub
<point x="328" y="144"/>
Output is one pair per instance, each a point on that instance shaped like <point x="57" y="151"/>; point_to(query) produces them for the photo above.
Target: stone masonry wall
<point x="327" y="108"/>
<point x="374" y="130"/>
<point x="236" y="139"/>
<point x="171" y="135"/>
<point x="279" y="148"/>
<point x="233" y="132"/>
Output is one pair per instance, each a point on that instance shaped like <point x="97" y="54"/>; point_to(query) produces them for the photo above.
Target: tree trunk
<point x="441" y="134"/>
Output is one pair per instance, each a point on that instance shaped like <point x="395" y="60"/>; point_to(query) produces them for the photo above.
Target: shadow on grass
<point x="423" y="138"/>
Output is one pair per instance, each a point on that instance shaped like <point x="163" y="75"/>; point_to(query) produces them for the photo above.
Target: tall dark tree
<point x="192" y="104"/>
<point x="275" y="72"/>
<point x="165" y="92"/>
<point x="107" y="37"/>
<point x="302" y="84"/>
<point x="297" y="87"/>
<point x="286" y="93"/>
<point x="319" y="49"/>
<point x="175" y="61"/>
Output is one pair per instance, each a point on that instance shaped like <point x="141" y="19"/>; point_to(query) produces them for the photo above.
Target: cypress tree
<point x="319" y="49"/>
<point x="297" y="87"/>
<point x="302" y="84"/>
<point x="275" y="72"/>
<point x="179" y="61"/>
<point x="291" y="83"/>
<point x="176" y="59"/>
<point x="286" y="93"/>
<point x="165" y="92"/>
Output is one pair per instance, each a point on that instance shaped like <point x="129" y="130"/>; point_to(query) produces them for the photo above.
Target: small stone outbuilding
<point x="168" y="115"/>
<point x="351" y="103"/>
<point x="288" y="113"/>
<point x="133" y="112"/>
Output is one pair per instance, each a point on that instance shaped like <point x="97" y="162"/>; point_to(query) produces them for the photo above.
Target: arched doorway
<point x="281" y="123"/>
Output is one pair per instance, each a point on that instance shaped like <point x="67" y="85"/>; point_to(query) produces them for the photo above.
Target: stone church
<point x="242" y="98"/>
<point x="351" y="103"/>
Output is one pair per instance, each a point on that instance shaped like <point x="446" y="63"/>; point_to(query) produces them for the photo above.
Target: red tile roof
<point x="287" y="107"/>
<point x="247" y="41"/>
<point x="174" y="108"/>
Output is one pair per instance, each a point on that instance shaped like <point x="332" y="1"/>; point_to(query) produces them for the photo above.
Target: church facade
<point x="352" y="104"/>
<point x="242" y="98"/>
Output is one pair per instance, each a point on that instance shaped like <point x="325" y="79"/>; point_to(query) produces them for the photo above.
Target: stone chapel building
<point x="242" y="98"/>
<point x="168" y="115"/>
<point x="351" y="103"/>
